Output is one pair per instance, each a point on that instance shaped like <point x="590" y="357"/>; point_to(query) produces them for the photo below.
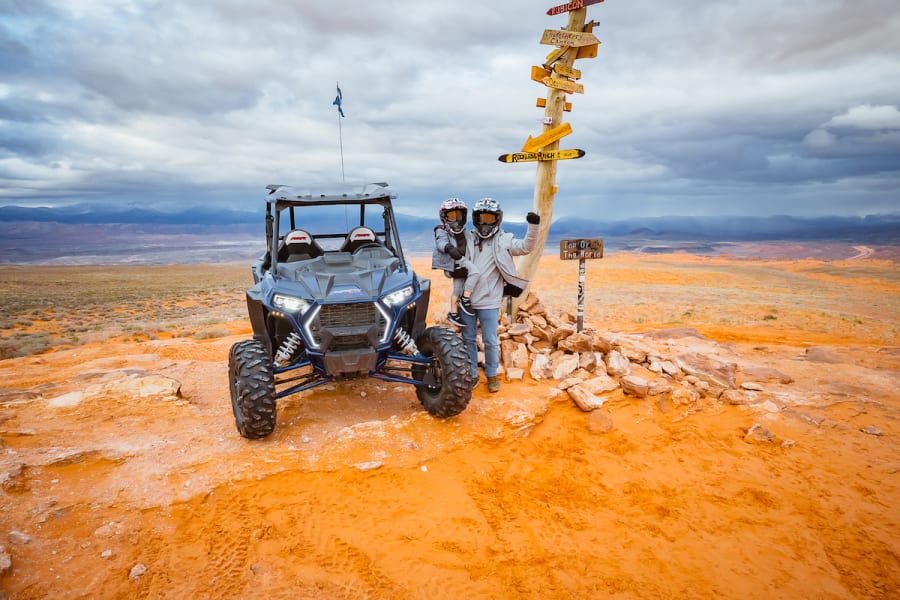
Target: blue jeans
<point x="489" y="318"/>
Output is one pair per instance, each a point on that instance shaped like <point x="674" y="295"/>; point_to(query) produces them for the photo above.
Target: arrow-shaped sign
<point x="538" y="74"/>
<point x="564" y="37"/>
<point x="533" y="156"/>
<point x="567" y="71"/>
<point x="563" y="84"/>
<point x="548" y="137"/>
<point x="555" y="55"/>
<point x="563" y="8"/>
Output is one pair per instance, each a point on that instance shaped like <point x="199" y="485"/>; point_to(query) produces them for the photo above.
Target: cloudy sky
<point x="692" y="107"/>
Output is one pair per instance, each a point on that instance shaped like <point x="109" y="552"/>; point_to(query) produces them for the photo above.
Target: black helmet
<point x="486" y="217"/>
<point x="453" y="214"/>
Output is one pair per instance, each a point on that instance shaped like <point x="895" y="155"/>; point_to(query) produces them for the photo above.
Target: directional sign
<point x="563" y="84"/>
<point x="542" y="103"/>
<point x="564" y="37"/>
<point x="538" y="74"/>
<point x="555" y="55"/>
<point x="580" y="249"/>
<point x="567" y="71"/>
<point x="564" y="8"/>
<point x="548" y="137"/>
<point x="533" y="156"/>
<point x="587" y="51"/>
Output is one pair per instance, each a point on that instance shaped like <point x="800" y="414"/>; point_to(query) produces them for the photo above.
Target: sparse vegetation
<point x="42" y="307"/>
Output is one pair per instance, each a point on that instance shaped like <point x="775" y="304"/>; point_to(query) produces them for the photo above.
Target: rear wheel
<point x="448" y="379"/>
<point x="252" y="389"/>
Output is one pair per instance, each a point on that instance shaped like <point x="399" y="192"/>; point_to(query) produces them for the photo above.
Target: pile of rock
<point x="590" y="365"/>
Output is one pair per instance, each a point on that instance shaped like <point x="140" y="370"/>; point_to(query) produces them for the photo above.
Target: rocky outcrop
<point x="592" y="365"/>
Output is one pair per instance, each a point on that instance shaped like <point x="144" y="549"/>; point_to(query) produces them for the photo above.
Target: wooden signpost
<point x="581" y="250"/>
<point x="549" y="155"/>
<point x="575" y="41"/>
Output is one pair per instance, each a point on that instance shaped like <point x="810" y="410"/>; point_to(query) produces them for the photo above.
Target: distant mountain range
<point x="103" y="235"/>
<point x="884" y="229"/>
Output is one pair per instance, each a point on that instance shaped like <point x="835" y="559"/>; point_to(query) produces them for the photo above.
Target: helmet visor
<point x="488" y="218"/>
<point x="455" y="214"/>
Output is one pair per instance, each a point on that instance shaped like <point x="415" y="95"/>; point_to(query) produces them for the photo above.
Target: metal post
<point x="580" y="315"/>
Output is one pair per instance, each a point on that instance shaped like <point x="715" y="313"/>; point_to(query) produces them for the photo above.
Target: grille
<point x="349" y="324"/>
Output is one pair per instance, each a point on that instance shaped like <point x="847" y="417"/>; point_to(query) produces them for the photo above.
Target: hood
<point x="338" y="277"/>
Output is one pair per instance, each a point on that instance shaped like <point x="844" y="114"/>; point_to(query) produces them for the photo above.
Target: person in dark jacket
<point x="449" y="256"/>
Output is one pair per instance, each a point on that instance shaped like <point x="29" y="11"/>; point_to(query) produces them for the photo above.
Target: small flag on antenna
<point x="337" y="101"/>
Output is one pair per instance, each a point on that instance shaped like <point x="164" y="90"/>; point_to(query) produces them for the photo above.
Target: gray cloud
<point x="745" y="107"/>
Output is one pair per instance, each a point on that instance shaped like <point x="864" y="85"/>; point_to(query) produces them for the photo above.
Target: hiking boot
<point x="455" y="319"/>
<point x="493" y="384"/>
<point x="465" y="305"/>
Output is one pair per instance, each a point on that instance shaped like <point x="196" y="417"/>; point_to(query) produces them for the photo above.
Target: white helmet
<point x="453" y="214"/>
<point x="486" y="217"/>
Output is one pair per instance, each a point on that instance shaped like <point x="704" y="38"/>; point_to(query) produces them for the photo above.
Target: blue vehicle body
<point x="349" y="310"/>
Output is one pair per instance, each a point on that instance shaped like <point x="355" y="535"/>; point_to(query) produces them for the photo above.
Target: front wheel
<point x="448" y="379"/>
<point x="252" y="387"/>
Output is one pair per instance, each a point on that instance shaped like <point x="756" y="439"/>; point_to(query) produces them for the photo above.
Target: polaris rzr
<point x="334" y="298"/>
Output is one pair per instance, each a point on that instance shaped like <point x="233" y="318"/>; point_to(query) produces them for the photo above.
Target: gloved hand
<point x="533" y="218"/>
<point x="454" y="252"/>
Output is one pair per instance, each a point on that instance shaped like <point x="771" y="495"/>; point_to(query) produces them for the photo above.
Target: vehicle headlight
<point x="290" y="304"/>
<point x="400" y="296"/>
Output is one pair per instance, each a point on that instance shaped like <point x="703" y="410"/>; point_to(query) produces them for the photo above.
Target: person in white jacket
<point x="491" y="250"/>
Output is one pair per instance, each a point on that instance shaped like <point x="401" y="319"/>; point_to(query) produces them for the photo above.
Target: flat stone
<point x="518" y="329"/>
<point x="617" y="364"/>
<point x="757" y="434"/>
<point x="821" y="354"/>
<point x="601" y="384"/>
<point x="515" y="374"/>
<point x="711" y="370"/>
<point x="540" y="367"/>
<point x="766" y="374"/>
<point x="577" y="342"/>
<point x="564" y="366"/>
<point x="635" y="386"/>
<point x="584" y="399"/>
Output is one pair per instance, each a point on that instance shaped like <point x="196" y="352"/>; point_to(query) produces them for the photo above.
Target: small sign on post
<point x="581" y="249"/>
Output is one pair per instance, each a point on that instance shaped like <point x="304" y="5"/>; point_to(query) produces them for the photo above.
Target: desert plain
<point x="122" y="474"/>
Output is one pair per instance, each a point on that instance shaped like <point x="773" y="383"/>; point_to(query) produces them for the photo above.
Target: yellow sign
<point x="567" y="71"/>
<point x="555" y="56"/>
<point x="564" y="37"/>
<point x="548" y="137"/>
<point x="588" y="51"/>
<point x="533" y="156"/>
<point x="563" y="84"/>
<point x="538" y="74"/>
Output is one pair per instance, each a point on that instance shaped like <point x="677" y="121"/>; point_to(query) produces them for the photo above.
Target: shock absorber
<point x="405" y="342"/>
<point x="287" y="349"/>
